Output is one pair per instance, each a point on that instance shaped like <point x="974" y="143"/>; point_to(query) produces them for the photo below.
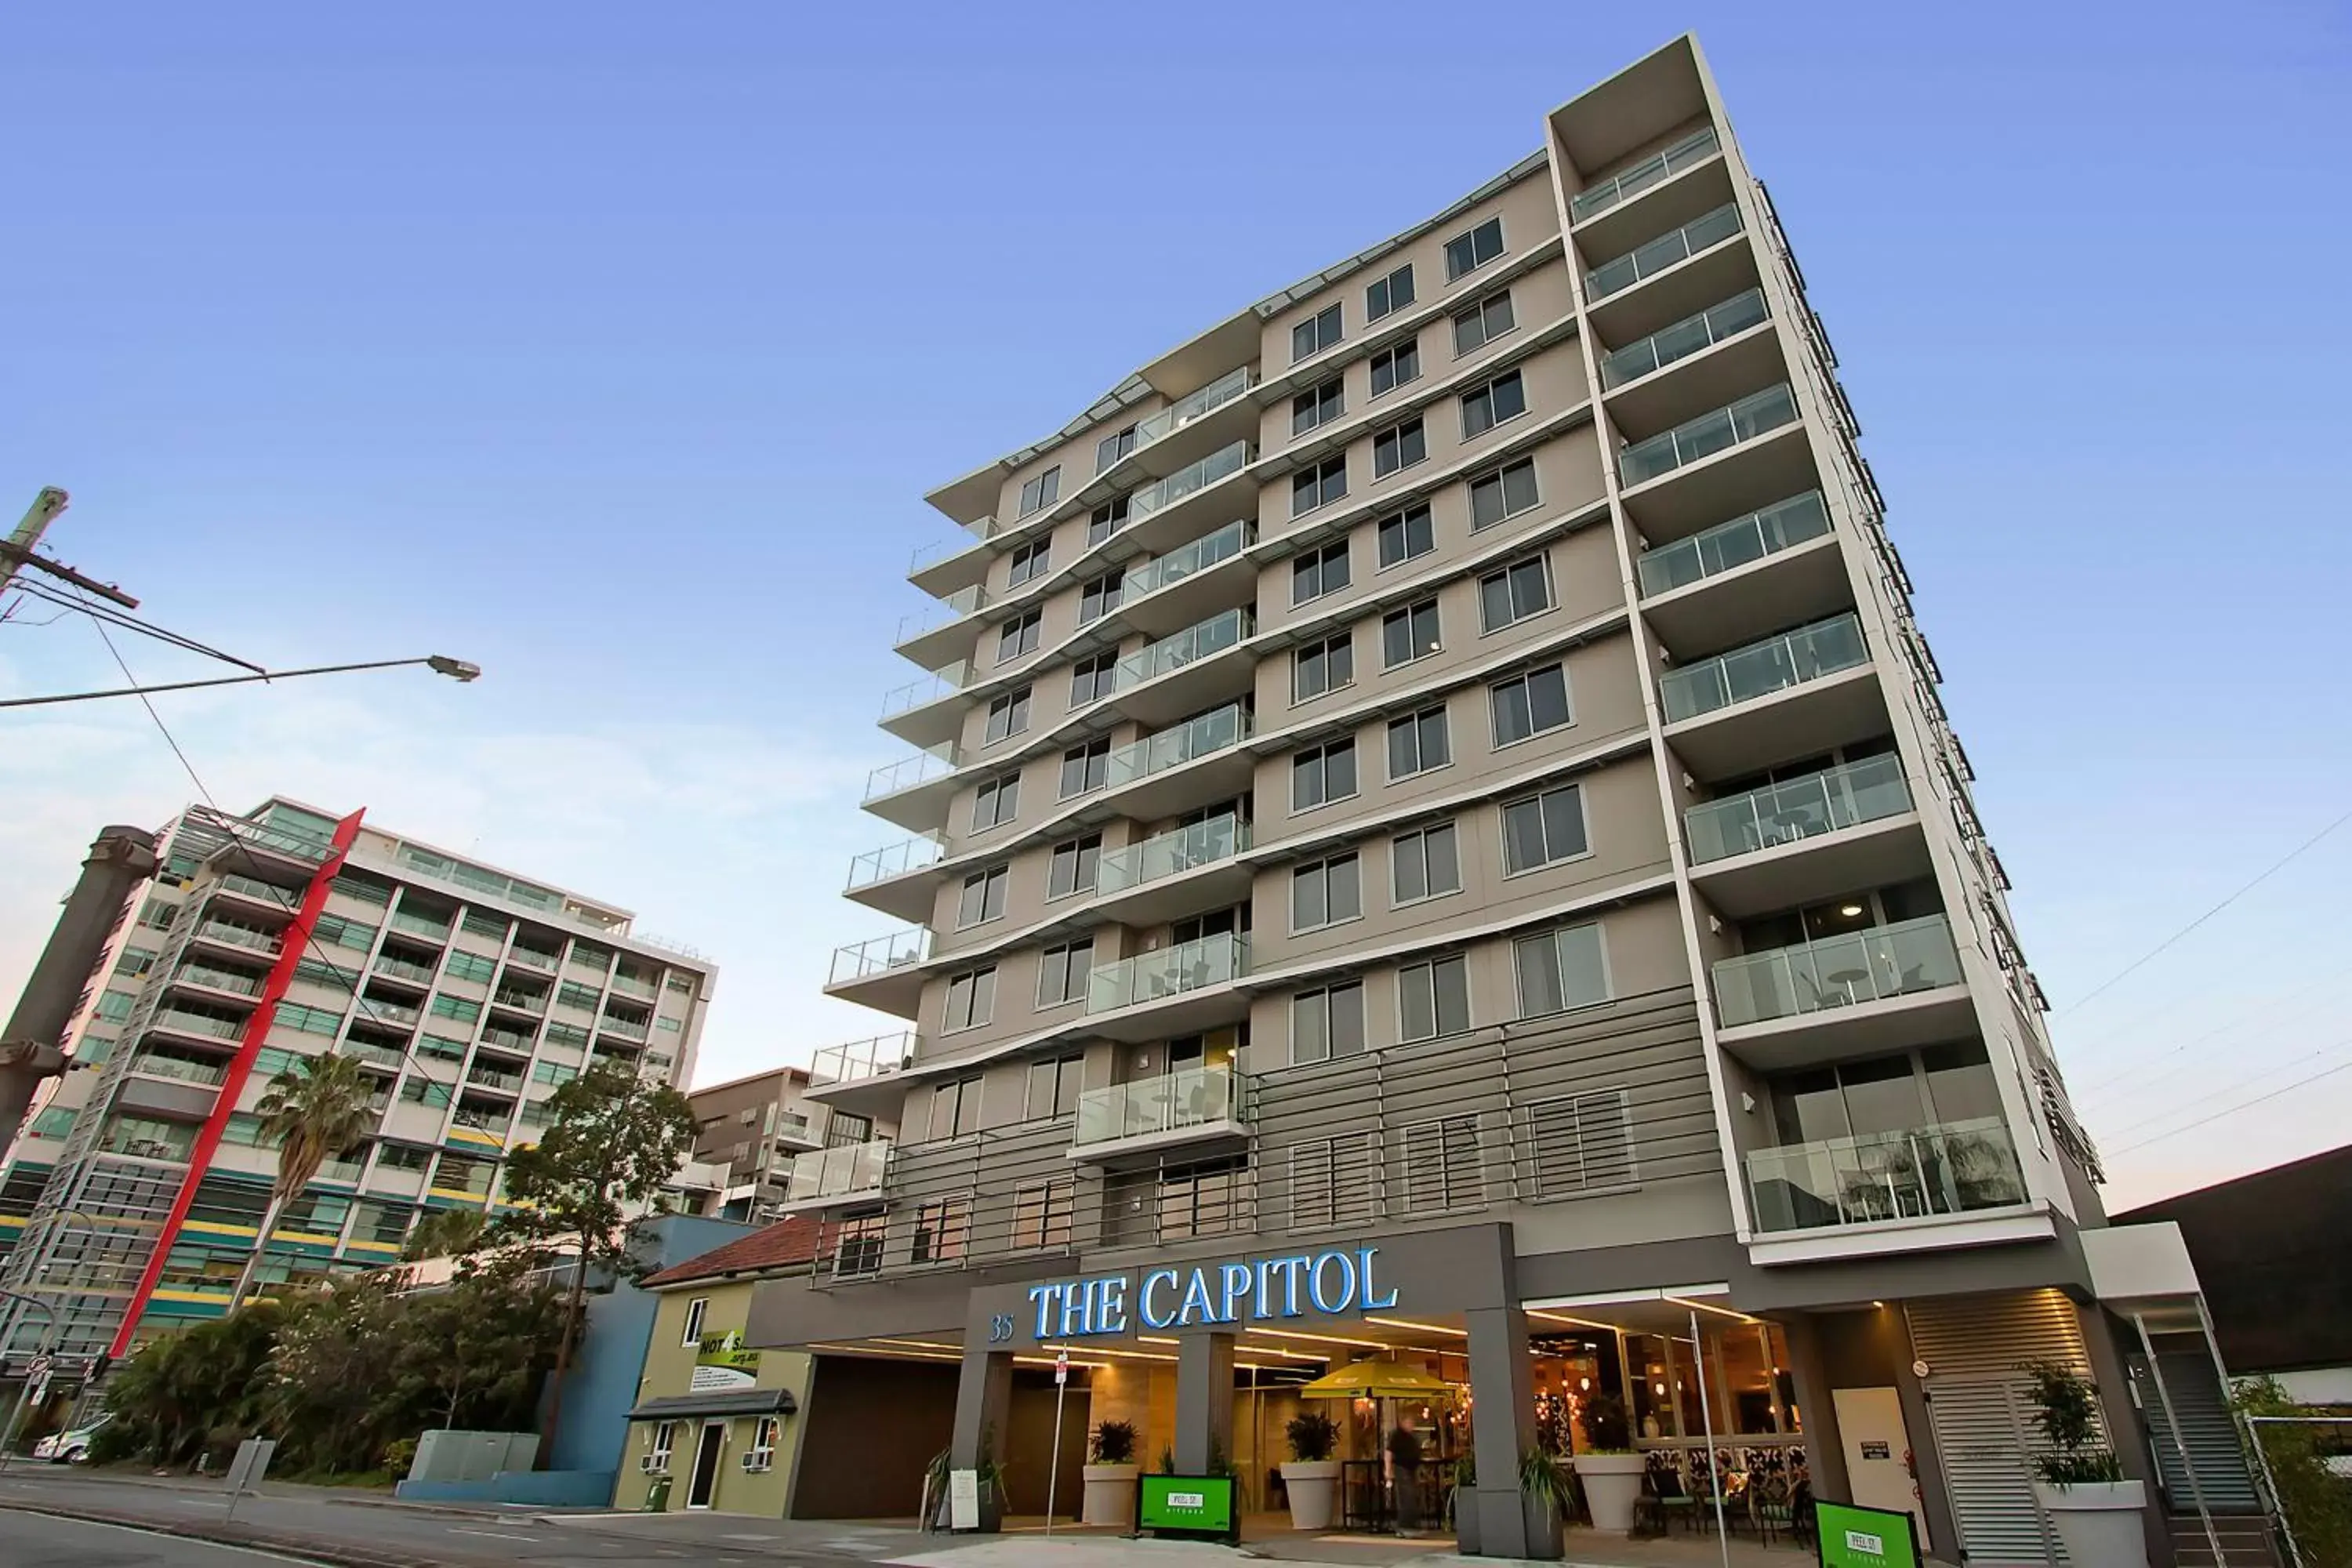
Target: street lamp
<point x="8" y="1432"/>
<point x="439" y="664"/>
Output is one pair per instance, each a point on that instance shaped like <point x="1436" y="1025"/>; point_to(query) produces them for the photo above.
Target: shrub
<point x="1606" y="1428"/>
<point x="1313" y="1437"/>
<point x="2066" y="1409"/>
<point x="398" y="1455"/>
<point x="1114" y="1443"/>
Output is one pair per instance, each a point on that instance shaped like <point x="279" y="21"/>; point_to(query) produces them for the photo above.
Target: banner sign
<point x="1864" y="1537"/>
<point x="721" y="1363"/>
<point x="1262" y="1289"/>
<point x="1188" y="1505"/>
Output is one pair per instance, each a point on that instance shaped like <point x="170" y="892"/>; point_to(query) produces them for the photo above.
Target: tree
<point x="445" y="1233"/>
<point x="613" y="1142"/>
<point x="472" y="1355"/>
<point x="317" y="1106"/>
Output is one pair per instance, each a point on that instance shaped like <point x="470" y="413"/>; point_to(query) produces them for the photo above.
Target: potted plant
<point x="2096" y="1512"/>
<point x="1462" y="1504"/>
<point x="1311" y="1478"/>
<point x="1547" y="1494"/>
<point x="1111" y="1479"/>
<point x="1609" y="1467"/>
<point x="1404" y="1462"/>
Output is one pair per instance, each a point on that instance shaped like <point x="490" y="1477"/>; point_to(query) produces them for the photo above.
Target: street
<point x="36" y="1540"/>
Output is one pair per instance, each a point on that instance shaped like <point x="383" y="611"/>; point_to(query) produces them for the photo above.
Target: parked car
<point x="70" y="1446"/>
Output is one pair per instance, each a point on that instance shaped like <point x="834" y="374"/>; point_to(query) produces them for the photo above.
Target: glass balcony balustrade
<point x="1603" y="194"/>
<point x="942" y="682"/>
<point x="1845" y="971"/>
<point x="1192" y="643"/>
<point x="950" y="607"/>
<point x="1213" y="731"/>
<point x="1647" y="261"/>
<point x="1952" y="1168"/>
<point x="1192" y="404"/>
<point x="858" y="959"/>
<point x="1797" y="809"/>
<point x="1762" y="668"/>
<point x="1150" y="976"/>
<point x="1166" y="854"/>
<point x="1164" y="493"/>
<point x="1728" y="545"/>
<point x="173" y="1067"/>
<point x="894" y="860"/>
<point x="1170" y="1103"/>
<point x="853" y="1171"/>
<point x="1186" y="559"/>
<point x="1685" y="338"/>
<point x="181" y="1023"/>
<point x="1755" y="414"/>
<point x="935" y="762"/>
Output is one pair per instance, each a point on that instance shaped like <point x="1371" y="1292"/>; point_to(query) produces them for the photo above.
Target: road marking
<point x="166" y="1535"/>
<point x="459" y="1529"/>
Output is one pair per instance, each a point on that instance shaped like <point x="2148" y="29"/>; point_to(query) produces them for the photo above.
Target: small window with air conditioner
<point x="761" y="1456"/>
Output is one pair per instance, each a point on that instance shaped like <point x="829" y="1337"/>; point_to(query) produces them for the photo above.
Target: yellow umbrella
<point x="1379" y="1377"/>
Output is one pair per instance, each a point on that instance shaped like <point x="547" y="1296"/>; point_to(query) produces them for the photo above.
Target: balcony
<point x="1669" y="250"/>
<point x="1762" y="668"/>
<point x="1753" y="416"/>
<point x="374" y="1054"/>
<point x="1785" y="696"/>
<point x="879" y="1057"/>
<point x="1925" y="1173"/>
<point x="1228" y="726"/>
<point x="1169" y="971"/>
<point x="1189" y="1106"/>
<point x="900" y="778"/>
<point x="1600" y="197"/>
<point x="243" y="937"/>
<point x="634" y="985"/>
<point x="533" y="1003"/>
<point x="884" y="972"/>
<point x="1193" y="644"/>
<point x="622" y="1028"/>
<point x="508" y="1083"/>
<point x="1821" y="810"/>
<point x="1885" y="988"/>
<point x="879" y="878"/>
<point x="401" y="969"/>
<point x="211" y="979"/>
<point x="1191" y="407"/>
<point x="510" y="1040"/>
<point x="425" y="926"/>
<point x="920" y="712"/>
<point x="1691" y="336"/>
<point x="826" y="1177"/>
<point x="532" y="958"/>
<point x="193" y="1026"/>
<point x="151" y="1066"/>
<point x="1166" y="854"/>
<point x="1192" y="478"/>
<point x="951" y="608"/>
<point x="264" y="895"/>
<point x="396" y="1015"/>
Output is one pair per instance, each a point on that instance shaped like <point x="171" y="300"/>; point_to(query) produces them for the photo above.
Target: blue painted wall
<point x="593" y="1427"/>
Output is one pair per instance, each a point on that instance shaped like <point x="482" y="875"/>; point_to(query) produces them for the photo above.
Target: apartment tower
<point x="133" y="1196"/>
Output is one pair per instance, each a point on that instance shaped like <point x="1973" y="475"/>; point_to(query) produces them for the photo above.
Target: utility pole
<point x="16" y="551"/>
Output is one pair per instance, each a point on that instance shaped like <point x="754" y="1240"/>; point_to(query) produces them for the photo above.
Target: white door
<point x="1878" y="1453"/>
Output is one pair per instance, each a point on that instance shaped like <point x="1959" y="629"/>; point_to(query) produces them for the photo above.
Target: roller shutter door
<point x="1979" y="1407"/>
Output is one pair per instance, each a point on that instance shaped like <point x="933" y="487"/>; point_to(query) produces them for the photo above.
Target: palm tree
<point x="315" y="1108"/>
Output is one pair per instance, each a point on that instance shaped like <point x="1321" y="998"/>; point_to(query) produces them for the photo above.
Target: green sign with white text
<point x="1864" y="1537"/>
<point x="1202" y="1504"/>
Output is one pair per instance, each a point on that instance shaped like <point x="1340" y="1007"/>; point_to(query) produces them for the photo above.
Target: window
<point x="1517" y="590"/>
<point x="1328" y="893"/>
<point x="1398" y="447"/>
<point x="1319" y="572"/>
<point x="1393" y="293"/>
<point x="1391" y="368"/>
<point x="1107" y="520"/>
<point x="1530" y="704"/>
<point x="1505" y="492"/>
<point x="1560" y="968"/>
<point x="1007" y="716"/>
<point x="764" y="1434"/>
<point x="1040" y="1214"/>
<point x="983" y="896"/>
<point x="1318" y="486"/>
<point x="1543" y="828"/>
<point x="1061" y="973"/>
<point x="1018" y="637"/>
<point x="54" y="1122"/>
<point x="1041" y="491"/>
<point x="695" y="1310"/>
<point x="664" y="1439"/>
<point x="941" y="1226"/>
<point x="470" y="966"/>
<point x="1029" y="562"/>
<point x="1086" y="768"/>
<point x="1332" y="1181"/>
<point x="1433" y="999"/>
<point x="955" y="1107"/>
<point x="971" y="999"/>
<point x="115" y="1005"/>
<point x="1101" y="596"/>
<point x="858" y="1250"/>
<point x="1327" y="1022"/>
<point x="1321" y="667"/>
<point x="572" y="993"/>
<point x="135" y="960"/>
<point x="1092" y="679"/>
<point x="1324" y="775"/>
<point x="1113" y="447"/>
<point x="1409" y="634"/>
<point x="1316" y="405"/>
<point x="1054" y="1087"/>
<point x="553" y="1073"/>
<point x="1465" y="253"/>
<point x="1505" y="397"/>
<point x="1582" y="1142"/>
<point x="1441" y="1165"/>
<point x="1424" y="864"/>
<point x="1074" y="866"/>
<point x="441" y="1048"/>
<point x="402" y="1157"/>
<point x="320" y="1021"/>
<point x="343" y="933"/>
<point x="1311" y="337"/>
<point x="1483" y="323"/>
<point x="1418" y="742"/>
<point x="424" y="1091"/>
<point x="993" y="803"/>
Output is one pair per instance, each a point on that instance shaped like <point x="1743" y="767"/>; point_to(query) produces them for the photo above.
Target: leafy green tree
<point x="472" y="1356"/>
<point x="612" y="1143"/>
<point x="183" y="1386"/>
<point x="332" y="1369"/>
<point x="316" y="1108"/>
<point x="445" y="1233"/>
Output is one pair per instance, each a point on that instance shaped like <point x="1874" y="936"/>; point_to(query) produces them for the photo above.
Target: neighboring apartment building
<point x="1435" y="829"/>
<point x="137" y="1185"/>
<point x="752" y="1127"/>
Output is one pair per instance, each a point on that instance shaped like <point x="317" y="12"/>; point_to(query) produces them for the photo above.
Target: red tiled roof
<point x="788" y="1242"/>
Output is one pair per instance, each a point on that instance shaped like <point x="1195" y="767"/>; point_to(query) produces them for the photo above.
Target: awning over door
<point x="728" y="1402"/>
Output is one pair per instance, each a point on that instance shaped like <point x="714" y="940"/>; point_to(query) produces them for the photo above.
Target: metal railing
<point x="1164" y="493"/>
<point x="385" y="1012"/>
<point x="1760" y="669"/>
<point x="1947" y="1168"/>
<point x="1213" y="731"/>
<point x="238" y="936"/>
<point x="1708" y="434"/>
<point x="1632" y="182"/>
<point x="1648" y="260"/>
<point x="172" y="1067"/>
<point x="875" y="1057"/>
<point x="1192" y="404"/>
<point x="521" y="1001"/>
<point x="1797" y="809"/>
<point x="847" y="1172"/>
<point x="218" y="979"/>
<point x="944" y="681"/>
<point x="530" y="958"/>
<point x="857" y="959"/>
<point x="401" y="969"/>
<point x="1148" y="976"/>
<point x="622" y="1028"/>
<point x="500" y="1082"/>
<point x="1189" y="1097"/>
<point x="507" y="1040"/>
<point x="1685" y="338"/>
<point x="1192" y="643"/>
<point x="1165" y="854"/>
<point x="1835" y="971"/>
<point x="195" y="1024"/>
<point x="894" y="860"/>
<point x="1715" y="551"/>
<point x="935" y="762"/>
<point x="952" y="606"/>
<point x="421" y="925"/>
<point x="286" y="899"/>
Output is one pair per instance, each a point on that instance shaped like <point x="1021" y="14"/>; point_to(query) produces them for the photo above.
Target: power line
<point x="2232" y="1111"/>
<point x="2274" y="868"/>
<point x="2306" y="1060"/>
<point x="133" y="623"/>
<point x="2132" y="1075"/>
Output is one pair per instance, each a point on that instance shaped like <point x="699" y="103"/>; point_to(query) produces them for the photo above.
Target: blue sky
<point x="614" y="347"/>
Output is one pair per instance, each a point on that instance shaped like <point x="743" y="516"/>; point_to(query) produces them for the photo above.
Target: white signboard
<point x="963" y="1500"/>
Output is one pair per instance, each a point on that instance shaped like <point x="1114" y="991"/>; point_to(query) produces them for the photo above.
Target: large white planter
<point x="2099" y="1521"/>
<point x="1110" y="1494"/>
<point x="1313" y="1487"/>
<point x="1612" y="1485"/>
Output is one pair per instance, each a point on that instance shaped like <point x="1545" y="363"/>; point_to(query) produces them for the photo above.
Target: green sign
<point x="721" y="1363"/>
<point x="1194" y="1504"/>
<point x="1864" y="1537"/>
